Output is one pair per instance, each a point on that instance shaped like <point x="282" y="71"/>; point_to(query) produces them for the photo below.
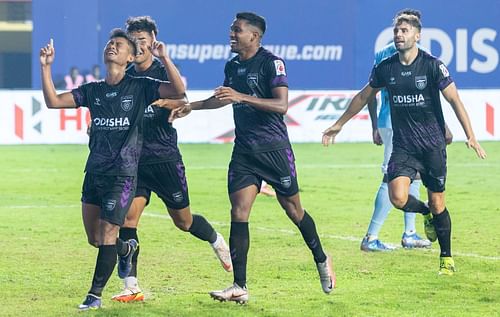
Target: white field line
<point x="332" y="236"/>
<point x="283" y="231"/>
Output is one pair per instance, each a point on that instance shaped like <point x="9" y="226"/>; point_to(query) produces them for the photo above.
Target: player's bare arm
<point x="279" y="102"/>
<point x="210" y="103"/>
<point x="175" y="87"/>
<point x="52" y="99"/>
<point x="170" y="103"/>
<point x="450" y="93"/>
<point x="372" y="110"/>
<point x="357" y="103"/>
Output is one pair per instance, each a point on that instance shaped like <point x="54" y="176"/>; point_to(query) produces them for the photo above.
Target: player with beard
<point x="413" y="79"/>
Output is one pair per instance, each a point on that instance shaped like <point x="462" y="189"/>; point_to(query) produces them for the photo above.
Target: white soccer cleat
<point x="233" y="293"/>
<point x="222" y="252"/>
<point x="327" y="275"/>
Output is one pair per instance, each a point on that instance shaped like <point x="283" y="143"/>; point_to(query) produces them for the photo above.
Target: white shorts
<point x="386" y="135"/>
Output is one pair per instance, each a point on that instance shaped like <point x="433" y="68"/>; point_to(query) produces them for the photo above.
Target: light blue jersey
<point x="384" y="115"/>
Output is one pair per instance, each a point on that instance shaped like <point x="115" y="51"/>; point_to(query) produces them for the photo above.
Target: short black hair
<point x="143" y="23"/>
<point x="121" y="33"/>
<point x="254" y="20"/>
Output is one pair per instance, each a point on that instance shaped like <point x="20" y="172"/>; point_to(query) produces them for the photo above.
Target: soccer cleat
<point x="90" y="302"/>
<point x="430" y="231"/>
<point x="233" y="293"/>
<point x="222" y="252"/>
<point x="125" y="263"/>
<point x="129" y="295"/>
<point x="413" y="240"/>
<point x="327" y="275"/>
<point x="374" y="245"/>
<point x="446" y="265"/>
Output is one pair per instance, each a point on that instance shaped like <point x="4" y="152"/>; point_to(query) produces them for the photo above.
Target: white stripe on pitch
<point x="284" y="231"/>
<point x="331" y="236"/>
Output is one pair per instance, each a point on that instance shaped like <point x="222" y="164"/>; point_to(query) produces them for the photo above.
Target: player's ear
<point x="417" y="36"/>
<point x="130" y="58"/>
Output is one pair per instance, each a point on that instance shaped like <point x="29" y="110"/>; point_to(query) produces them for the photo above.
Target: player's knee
<point x="239" y="213"/>
<point x="398" y="201"/>
<point x="183" y="224"/>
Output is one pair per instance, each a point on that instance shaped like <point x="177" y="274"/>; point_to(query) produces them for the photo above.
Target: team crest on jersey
<point x="286" y="181"/>
<point x="109" y="205"/>
<point x="421" y="82"/>
<point x="127" y="102"/>
<point x="252" y="80"/>
<point x="178" y="197"/>
<point x="280" y="67"/>
<point x="444" y="70"/>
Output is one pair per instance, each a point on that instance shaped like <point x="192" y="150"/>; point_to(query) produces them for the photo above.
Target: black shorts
<point x="167" y="180"/>
<point x="277" y="168"/>
<point x="430" y="165"/>
<point x="114" y="194"/>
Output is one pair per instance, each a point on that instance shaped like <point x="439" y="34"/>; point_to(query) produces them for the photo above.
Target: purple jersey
<point x="416" y="114"/>
<point x="257" y="130"/>
<point x="160" y="137"/>
<point x="116" y="112"/>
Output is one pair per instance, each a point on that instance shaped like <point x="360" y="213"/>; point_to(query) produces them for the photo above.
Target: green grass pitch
<point x="46" y="264"/>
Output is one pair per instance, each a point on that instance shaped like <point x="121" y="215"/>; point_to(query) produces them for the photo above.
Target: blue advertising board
<point x="326" y="44"/>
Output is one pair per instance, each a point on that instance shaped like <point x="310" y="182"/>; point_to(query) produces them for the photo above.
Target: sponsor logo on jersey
<point x="241" y="71"/>
<point x="111" y="122"/>
<point x="406" y="74"/>
<point x="127" y="102"/>
<point x="421" y="82"/>
<point x="408" y="99"/>
<point x="149" y="109"/>
<point x="178" y="197"/>
<point x="111" y="94"/>
<point x="286" y="181"/>
<point x="252" y="80"/>
<point x="280" y="68"/>
<point x="444" y="70"/>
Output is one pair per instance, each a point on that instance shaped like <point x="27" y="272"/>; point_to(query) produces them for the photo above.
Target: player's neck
<point x="140" y="68"/>
<point x="407" y="57"/>
<point x="248" y="53"/>
<point x="114" y="74"/>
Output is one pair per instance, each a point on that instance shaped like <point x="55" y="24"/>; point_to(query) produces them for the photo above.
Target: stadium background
<point x="328" y="47"/>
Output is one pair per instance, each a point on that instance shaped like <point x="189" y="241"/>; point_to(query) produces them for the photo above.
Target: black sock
<point x="131" y="233"/>
<point x="416" y="206"/>
<point x="239" y="243"/>
<point x="201" y="229"/>
<point x="105" y="264"/>
<point x="121" y="247"/>
<point x="308" y="230"/>
<point x="442" y="223"/>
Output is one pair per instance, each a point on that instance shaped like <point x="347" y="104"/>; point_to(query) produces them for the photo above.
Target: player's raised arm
<point x="357" y="103"/>
<point x="450" y="93"/>
<point x="175" y="87"/>
<point x="52" y="99"/>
